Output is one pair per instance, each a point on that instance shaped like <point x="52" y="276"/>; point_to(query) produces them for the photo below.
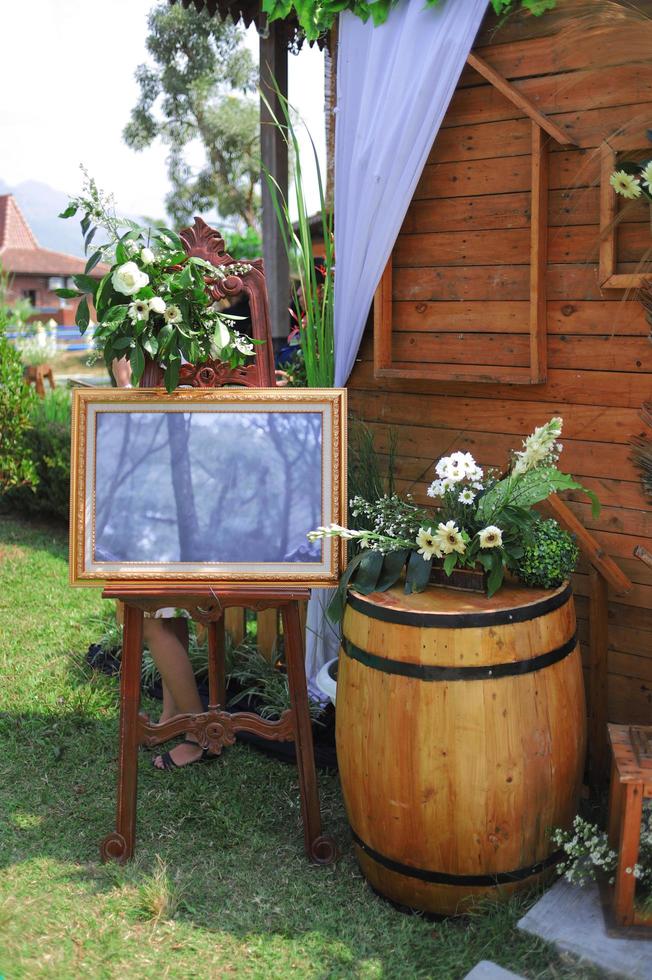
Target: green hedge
<point x="48" y="444"/>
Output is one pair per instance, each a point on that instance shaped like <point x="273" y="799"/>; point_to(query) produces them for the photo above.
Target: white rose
<point x="157" y="304"/>
<point x="146" y="256"/>
<point x="128" y="279"/>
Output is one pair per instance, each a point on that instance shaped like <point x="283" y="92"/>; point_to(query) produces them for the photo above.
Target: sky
<point x="67" y="83"/>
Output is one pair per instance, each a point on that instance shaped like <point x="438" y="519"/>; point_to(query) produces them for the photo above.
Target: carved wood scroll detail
<point x="215" y="729"/>
<point x="206" y="243"/>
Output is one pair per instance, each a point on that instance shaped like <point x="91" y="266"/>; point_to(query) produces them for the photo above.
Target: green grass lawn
<point x="220" y="886"/>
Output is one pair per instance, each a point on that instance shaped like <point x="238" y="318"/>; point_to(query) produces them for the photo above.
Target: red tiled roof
<point x="14" y="230"/>
<point x="43" y="262"/>
<point x="21" y="253"/>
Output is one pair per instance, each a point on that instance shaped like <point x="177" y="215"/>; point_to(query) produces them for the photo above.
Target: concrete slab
<point x="486" y="970"/>
<point x="571" y="918"/>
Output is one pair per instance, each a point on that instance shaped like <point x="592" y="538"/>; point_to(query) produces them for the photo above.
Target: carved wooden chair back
<point x="233" y="278"/>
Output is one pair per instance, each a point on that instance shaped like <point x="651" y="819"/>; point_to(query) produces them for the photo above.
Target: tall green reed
<point x="316" y="327"/>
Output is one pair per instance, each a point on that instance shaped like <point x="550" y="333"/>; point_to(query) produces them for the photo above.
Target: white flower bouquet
<point x="480" y="521"/>
<point x="154" y="299"/>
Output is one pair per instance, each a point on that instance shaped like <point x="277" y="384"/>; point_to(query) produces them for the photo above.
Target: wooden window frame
<point x="608" y="262"/>
<point x="543" y="129"/>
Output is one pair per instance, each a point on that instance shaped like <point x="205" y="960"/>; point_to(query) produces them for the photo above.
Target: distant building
<point x="36" y="272"/>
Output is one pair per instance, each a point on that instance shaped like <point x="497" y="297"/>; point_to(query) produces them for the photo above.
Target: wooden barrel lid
<point x="441" y="607"/>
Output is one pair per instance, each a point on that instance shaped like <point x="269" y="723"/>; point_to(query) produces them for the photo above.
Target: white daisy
<point x="490" y="537"/>
<point x="646" y="175"/>
<point x="139" y="310"/>
<point x="436" y="488"/>
<point x="172" y="314"/>
<point x="450" y="539"/>
<point x="467" y="496"/>
<point x="429" y="546"/>
<point x="625" y="184"/>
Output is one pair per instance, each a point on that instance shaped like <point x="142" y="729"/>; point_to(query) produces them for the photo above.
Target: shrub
<point x="48" y="444"/>
<point x="549" y="558"/>
<point x="16" y="403"/>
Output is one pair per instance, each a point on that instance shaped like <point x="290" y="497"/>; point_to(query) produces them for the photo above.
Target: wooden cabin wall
<point x="594" y="84"/>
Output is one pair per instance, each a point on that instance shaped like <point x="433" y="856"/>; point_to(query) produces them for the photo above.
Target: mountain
<point x="41" y="205"/>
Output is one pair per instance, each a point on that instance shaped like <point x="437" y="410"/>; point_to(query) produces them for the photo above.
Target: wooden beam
<point x="598" y="680"/>
<point x="608" y="208"/>
<point x="274" y="159"/>
<point x="521" y="101"/>
<point x="539" y="257"/>
<point x="598" y="557"/>
<point x="383" y="322"/>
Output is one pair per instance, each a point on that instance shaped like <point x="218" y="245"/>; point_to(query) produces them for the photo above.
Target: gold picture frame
<point x="129" y="499"/>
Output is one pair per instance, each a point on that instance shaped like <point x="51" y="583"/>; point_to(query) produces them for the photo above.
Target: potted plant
<point x="482" y="525"/>
<point x="153" y="304"/>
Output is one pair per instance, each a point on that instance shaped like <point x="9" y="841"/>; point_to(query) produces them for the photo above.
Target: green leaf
<point x="86" y="283"/>
<point x="150" y="344"/>
<point x="94" y="260"/>
<point x="137" y="361"/>
<point x="165" y="335"/>
<point x="172" y="373"/>
<point x="450" y="561"/>
<point x="121" y="343"/>
<point x="393" y="565"/>
<point x="418" y="573"/>
<point x="337" y="605"/>
<point x="83" y="316"/>
<point x="69" y="212"/>
<point x="495" y="579"/>
<point x="68" y="293"/>
<point x="366" y="578"/>
<point x="115" y="314"/>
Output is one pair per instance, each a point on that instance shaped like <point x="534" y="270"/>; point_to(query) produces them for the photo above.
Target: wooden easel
<point x="216" y="728"/>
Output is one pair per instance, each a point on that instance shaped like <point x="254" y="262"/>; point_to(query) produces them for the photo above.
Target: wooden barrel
<point x="460" y="739"/>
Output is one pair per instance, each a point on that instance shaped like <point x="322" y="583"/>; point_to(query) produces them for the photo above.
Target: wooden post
<point x="274" y="159"/>
<point x="267" y="634"/>
<point x="234" y="620"/>
<point x="598" y="646"/>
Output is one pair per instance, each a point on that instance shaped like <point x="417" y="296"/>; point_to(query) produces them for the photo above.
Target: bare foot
<point x="183" y="754"/>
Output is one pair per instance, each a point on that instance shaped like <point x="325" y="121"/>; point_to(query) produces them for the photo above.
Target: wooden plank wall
<point x="593" y="76"/>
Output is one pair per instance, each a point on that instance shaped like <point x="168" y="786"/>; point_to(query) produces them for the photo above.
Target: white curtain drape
<point x="394" y="84"/>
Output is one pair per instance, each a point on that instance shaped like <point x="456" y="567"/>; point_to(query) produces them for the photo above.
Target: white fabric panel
<point x="394" y="84"/>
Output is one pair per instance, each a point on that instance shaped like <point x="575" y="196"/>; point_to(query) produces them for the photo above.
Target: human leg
<point x="167" y="640"/>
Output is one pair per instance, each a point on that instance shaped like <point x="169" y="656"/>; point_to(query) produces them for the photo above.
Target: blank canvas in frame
<point x="219" y="485"/>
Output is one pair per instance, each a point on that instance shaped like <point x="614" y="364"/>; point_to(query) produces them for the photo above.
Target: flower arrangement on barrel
<point x="154" y="301"/>
<point x="482" y="522"/>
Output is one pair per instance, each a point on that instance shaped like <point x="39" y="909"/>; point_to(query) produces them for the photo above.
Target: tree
<point x="197" y="88"/>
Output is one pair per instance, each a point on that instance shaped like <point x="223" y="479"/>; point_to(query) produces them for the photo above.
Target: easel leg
<point x="216" y="665"/>
<point x="320" y="849"/>
<point x="119" y="846"/>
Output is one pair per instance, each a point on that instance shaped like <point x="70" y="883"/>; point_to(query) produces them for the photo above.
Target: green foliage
<point x="549" y="557"/>
<point x="370" y="476"/>
<point x="16" y="401"/>
<point x="154" y="301"/>
<point x="314" y="298"/>
<point x="246" y="245"/>
<point x="190" y="94"/>
<point x="48" y="446"/>
<point x="317" y="16"/>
